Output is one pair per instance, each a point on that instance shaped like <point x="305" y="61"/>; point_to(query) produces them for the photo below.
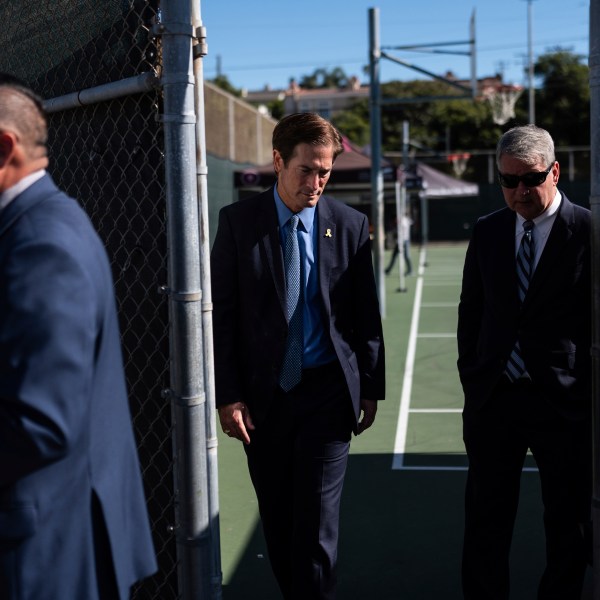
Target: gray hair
<point x="21" y="112"/>
<point x="527" y="143"/>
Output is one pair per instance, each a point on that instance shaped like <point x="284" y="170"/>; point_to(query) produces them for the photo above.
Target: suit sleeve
<point x="225" y="294"/>
<point x="47" y="338"/>
<point x="369" y="346"/>
<point x="469" y="311"/>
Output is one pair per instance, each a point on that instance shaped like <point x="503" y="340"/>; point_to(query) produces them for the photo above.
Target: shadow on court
<point x="401" y="536"/>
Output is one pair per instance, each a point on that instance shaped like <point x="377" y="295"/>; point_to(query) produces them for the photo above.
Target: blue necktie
<point x="291" y="370"/>
<point x="515" y="367"/>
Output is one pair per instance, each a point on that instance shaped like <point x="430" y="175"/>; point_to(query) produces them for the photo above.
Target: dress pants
<point x="497" y="437"/>
<point x="297" y="461"/>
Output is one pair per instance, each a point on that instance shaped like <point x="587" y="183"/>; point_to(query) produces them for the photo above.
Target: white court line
<point x="426" y="468"/>
<point x="435" y="410"/>
<point x="436" y="335"/>
<point x="402" y="426"/>
<point x="439" y="305"/>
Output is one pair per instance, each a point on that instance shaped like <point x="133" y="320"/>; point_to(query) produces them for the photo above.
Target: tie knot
<point x="527" y="226"/>
<point x="294" y="219"/>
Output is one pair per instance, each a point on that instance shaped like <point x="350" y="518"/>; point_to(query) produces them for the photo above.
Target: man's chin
<point x="303" y="202"/>
<point x="527" y="210"/>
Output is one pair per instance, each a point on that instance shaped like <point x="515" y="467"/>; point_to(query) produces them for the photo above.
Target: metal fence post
<point x="377" y="206"/>
<point x="185" y="301"/>
<point x="200" y="50"/>
<point x="594" y="62"/>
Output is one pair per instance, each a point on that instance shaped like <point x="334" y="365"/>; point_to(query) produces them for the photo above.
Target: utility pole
<point x="595" y="351"/>
<point x="377" y="206"/>
<point x="530" y="61"/>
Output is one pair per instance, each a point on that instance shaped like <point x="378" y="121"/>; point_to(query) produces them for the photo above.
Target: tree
<point x="275" y="108"/>
<point x="322" y="78"/>
<point x="223" y="82"/>
<point x="354" y="123"/>
<point x="562" y="107"/>
<point x="436" y="125"/>
<point x="562" y="103"/>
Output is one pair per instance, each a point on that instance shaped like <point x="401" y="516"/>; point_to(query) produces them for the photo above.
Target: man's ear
<point x="8" y="142"/>
<point x="277" y="162"/>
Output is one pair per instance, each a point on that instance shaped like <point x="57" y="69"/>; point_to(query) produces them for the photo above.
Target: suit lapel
<point x="268" y="237"/>
<point x="502" y="260"/>
<point x="558" y="237"/>
<point x="326" y="244"/>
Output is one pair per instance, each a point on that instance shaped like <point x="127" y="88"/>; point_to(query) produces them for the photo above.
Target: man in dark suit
<point x="73" y="521"/>
<point x="296" y="362"/>
<point x="524" y="336"/>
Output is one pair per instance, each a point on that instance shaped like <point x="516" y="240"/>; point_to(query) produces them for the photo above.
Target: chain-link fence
<point x="109" y="155"/>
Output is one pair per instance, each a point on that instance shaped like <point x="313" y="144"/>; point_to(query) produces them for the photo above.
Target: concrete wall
<point x="237" y="136"/>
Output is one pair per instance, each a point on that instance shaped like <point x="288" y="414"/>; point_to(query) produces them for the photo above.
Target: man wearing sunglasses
<point x="524" y="327"/>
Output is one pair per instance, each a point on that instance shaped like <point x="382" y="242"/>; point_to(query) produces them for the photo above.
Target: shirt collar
<point x="307" y="215"/>
<point x="547" y="214"/>
<point x="12" y="192"/>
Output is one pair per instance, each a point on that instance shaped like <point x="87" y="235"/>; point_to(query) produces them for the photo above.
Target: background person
<point x="297" y="433"/>
<point x="73" y="521"/>
<point x="524" y="363"/>
<point x="405" y="223"/>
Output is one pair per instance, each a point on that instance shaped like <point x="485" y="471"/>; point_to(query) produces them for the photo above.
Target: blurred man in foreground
<point x="73" y="521"/>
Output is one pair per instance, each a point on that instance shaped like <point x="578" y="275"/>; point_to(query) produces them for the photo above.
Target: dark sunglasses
<point x="532" y="179"/>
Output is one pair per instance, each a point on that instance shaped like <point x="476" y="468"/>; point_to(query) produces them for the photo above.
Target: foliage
<point x="322" y="78"/>
<point x="223" y="82"/>
<point x="562" y="104"/>
<point x="354" y="123"/>
<point x="562" y="107"/>
<point x="434" y="125"/>
<point x="276" y="109"/>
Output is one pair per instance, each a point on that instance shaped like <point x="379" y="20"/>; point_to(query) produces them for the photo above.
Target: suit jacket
<point x="553" y="324"/>
<point x="69" y="472"/>
<point x="248" y="288"/>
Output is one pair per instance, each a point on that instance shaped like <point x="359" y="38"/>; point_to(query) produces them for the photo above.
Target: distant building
<point x="263" y="97"/>
<point x="325" y="101"/>
<point x="328" y="101"/>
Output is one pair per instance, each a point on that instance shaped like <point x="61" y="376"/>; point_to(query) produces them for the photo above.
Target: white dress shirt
<point x="541" y="231"/>
<point x="12" y="192"/>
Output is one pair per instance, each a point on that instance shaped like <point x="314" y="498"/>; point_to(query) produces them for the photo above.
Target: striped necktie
<point x="291" y="370"/>
<point x="515" y="367"/>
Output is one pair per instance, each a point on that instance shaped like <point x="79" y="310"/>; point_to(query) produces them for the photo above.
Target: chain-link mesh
<point x="109" y="156"/>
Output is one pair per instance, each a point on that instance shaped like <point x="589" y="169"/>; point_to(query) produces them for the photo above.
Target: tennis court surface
<point x="402" y="509"/>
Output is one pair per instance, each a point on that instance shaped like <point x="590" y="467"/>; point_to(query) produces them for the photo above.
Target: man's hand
<point x="369" y="410"/>
<point x="236" y="421"/>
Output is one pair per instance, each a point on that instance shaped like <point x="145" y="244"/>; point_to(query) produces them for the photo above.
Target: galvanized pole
<point x="401" y="207"/>
<point x="376" y="173"/>
<point x="530" y="61"/>
<point x="424" y="227"/>
<point x="400" y="204"/>
<point x="200" y="50"/>
<point x="594" y="62"/>
<point x="185" y="302"/>
<point x="473" y="56"/>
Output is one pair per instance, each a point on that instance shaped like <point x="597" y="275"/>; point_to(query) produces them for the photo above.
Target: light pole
<point x="530" y="62"/>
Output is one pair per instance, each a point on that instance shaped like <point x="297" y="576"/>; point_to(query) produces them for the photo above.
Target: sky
<point x="268" y="42"/>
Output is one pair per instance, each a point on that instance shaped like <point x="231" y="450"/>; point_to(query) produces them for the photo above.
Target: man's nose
<point x="314" y="181"/>
<point x="523" y="189"/>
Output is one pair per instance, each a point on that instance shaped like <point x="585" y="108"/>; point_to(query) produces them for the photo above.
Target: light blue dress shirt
<point x="318" y="349"/>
